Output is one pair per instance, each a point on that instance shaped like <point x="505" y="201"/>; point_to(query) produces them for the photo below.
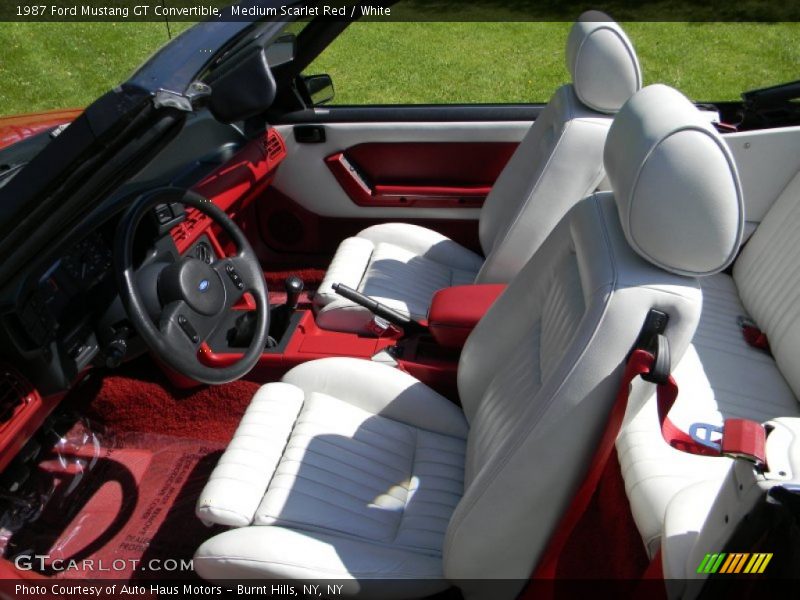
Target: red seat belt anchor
<point x="739" y="438"/>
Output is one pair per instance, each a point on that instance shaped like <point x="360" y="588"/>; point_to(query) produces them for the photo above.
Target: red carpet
<point x="123" y="486"/>
<point x="606" y="543"/>
<point x="124" y="502"/>
<point x="139" y="397"/>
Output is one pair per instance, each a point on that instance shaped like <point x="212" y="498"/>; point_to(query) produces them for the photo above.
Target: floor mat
<point x="139" y="397"/>
<point x="119" y="506"/>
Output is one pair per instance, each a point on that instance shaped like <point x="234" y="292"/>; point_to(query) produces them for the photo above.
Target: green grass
<point x="59" y="65"/>
<point x="524" y="62"/>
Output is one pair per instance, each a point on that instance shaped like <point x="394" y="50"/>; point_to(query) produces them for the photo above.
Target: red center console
<point x="431" y="356"/>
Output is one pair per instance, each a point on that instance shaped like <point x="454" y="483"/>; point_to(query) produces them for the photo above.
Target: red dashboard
<point x="233" y="187"/>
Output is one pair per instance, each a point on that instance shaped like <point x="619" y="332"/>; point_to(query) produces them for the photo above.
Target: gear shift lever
<point x="242" y="332"/>
<point x="294" y="287"/>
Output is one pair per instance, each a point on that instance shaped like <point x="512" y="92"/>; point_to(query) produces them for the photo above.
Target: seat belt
<point x="740" y="438"/>
<point x="753" y="335"/>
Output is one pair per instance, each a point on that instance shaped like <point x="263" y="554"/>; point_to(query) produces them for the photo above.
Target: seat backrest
<point x="539" y="374"/>
<point x="767" y="275"/>
<point x="559" y="161"/>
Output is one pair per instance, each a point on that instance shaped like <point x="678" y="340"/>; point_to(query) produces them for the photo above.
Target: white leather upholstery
<point x="372" y="469"/>
<point x="768" y="279"/>
<point x="377" y="467"/>
<point x="721" y="376"/>
<point x="674" y="183"/>
<point x="382" y="256"/>
<point x="558" y="162"/>
<point x="603" y="64"/>
<point x="537" y="401"/>
<point x="240" y="479"/>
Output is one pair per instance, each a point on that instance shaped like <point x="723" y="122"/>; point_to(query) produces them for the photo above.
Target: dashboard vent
<point x="14" y="391"/>
<point x="274" y="145"/>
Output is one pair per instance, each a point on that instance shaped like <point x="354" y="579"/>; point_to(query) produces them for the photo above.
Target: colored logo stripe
<point x="735" y="562"/>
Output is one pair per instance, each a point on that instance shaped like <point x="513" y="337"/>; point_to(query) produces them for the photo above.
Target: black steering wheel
<point x="190" y="296"/>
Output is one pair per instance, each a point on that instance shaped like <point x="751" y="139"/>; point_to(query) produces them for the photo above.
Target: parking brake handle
<point x="408" y="324"/>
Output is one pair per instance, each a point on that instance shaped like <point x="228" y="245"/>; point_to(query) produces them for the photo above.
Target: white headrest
<point x="675" y="183"/>
<point x="603" y="64"/>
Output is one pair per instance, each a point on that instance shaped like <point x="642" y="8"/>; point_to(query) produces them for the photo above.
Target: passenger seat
<point x="557" y="163"/>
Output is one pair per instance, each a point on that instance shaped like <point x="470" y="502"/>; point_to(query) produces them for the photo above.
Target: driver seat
<point x="349" y="469"/>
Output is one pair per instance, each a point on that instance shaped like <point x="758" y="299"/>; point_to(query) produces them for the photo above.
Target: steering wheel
<point x="190" y="296"/>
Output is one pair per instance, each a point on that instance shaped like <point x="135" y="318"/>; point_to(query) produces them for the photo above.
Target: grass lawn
<point x="525" y="62"/>
<point x="59" y="65"/>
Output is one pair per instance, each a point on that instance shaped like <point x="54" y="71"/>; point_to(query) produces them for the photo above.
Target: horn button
<point x="194" y="282"/>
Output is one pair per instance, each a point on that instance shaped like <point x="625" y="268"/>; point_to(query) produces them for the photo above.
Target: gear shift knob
<point x="294" y="287"/>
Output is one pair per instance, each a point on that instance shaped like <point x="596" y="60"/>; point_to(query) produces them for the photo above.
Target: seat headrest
<point x="675" y="183"/>
<point x="602" y="62"/>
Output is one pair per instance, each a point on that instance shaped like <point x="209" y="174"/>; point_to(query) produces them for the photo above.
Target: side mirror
<point x="282" y="50"/>
<point x="319" y="88"/>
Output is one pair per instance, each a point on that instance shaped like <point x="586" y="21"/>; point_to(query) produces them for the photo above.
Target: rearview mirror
<point x="282" y="50"/>
<point x="319" y="88"/>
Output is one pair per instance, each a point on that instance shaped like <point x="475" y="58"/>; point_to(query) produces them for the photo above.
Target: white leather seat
<point x="721" y="376"/>
<point x="354" y="456"/>
<point x="557" y="163"/>
<point x="349" y="469"/>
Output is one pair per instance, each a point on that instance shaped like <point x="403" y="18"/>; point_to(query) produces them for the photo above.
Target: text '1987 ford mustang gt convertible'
<point x="253" y="342"/>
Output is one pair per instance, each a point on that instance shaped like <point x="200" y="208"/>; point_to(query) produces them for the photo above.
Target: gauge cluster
<point x="88" y="262"/>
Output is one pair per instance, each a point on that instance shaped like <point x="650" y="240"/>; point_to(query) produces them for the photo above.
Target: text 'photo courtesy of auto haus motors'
<point x="257" y="342"/>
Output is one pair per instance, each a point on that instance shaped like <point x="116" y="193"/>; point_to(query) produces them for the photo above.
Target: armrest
<point x="456" y="310"/>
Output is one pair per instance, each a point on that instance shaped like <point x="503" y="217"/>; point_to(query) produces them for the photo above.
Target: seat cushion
<point x="354" y="474"/>
<point x="399" y="265"/>
<point x="347" y="471"/>
<point x="719" y="377"/>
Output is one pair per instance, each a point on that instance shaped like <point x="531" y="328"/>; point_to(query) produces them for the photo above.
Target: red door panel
<point x="420" y="174"/>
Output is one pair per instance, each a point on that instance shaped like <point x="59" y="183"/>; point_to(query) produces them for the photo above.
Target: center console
<point x="430" y="354"/>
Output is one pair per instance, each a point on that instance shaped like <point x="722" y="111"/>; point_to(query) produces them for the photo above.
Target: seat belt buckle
<point x="738" y="439"/>
<point x="746" y="439"/>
